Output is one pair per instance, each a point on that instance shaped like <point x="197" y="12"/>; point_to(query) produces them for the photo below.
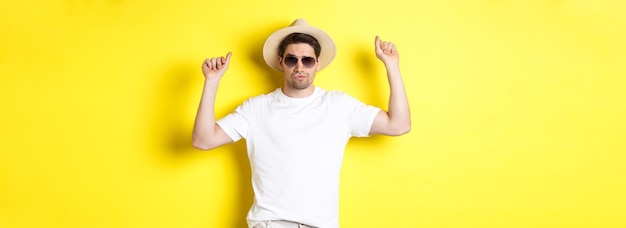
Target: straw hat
<point x="270" y="49"/>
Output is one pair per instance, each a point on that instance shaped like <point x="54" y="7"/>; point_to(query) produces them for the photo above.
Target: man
<point x="297" y="134"/>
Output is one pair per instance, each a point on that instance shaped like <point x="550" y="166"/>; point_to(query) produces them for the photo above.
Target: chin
<point x="299" y="86"/>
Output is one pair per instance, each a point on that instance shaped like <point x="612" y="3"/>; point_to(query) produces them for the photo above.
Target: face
<point x="300" y="75"/>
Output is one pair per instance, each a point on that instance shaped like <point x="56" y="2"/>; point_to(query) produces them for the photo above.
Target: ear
<point x="317" y="66"/>
<point x="280" y="63"/>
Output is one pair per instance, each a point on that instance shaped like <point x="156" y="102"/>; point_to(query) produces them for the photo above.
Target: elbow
<point x="406" y="130"/>
<point x="201" y="144"/>
<point x="401" y="130"/>
<point x="391" y="129"/>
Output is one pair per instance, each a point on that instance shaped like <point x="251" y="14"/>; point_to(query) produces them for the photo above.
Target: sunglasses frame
<point x="303" y="59"/>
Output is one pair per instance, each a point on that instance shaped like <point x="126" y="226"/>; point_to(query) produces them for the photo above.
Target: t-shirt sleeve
<point x="236" y="124"/>
<point x="360" y="116"/>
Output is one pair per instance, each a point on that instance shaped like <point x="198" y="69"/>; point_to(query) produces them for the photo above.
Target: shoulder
<point x="261" y="98"/>
<point x="339" y="96"/>
<point x="333" y="94"/>
<point x="341" y="100"/>
<point x="251" y="104"/>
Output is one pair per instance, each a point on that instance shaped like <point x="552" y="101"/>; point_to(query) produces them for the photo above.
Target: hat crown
<point x="270" y="48"/>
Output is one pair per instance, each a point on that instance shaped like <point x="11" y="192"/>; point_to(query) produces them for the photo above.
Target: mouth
<point x="299" y="77"/>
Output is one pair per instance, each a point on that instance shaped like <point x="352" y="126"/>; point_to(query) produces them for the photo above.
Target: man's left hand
<point x="386" y="52"/>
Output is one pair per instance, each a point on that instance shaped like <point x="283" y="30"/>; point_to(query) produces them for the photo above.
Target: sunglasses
<point x="307" y="61"/>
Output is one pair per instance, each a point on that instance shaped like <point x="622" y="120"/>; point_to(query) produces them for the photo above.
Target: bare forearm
<point x="204" y="126"/>
<point x="398" y="110"/>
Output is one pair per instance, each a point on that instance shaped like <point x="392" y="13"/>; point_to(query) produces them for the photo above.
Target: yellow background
<point x="517" y="107"/>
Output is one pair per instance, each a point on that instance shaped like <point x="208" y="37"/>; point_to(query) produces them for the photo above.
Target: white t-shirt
<point x="295" y="147"/>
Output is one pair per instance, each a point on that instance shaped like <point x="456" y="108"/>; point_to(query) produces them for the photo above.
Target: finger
<point x="214" y="63"/>
<point x="219" y="62"/>
<point x="205" y="63"/>
<point x="227" y="60"/>
<point x="392" y="49"/>
<point x="377" y="43"/>
<point x="389" y="47"/>
<point x="208" y="64"/>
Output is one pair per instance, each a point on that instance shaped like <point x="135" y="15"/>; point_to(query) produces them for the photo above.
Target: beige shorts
<point x="281" y="224"/>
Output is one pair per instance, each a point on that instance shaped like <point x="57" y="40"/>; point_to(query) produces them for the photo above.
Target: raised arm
<point x="206" y="133"/>
<point x="397" y="119"/>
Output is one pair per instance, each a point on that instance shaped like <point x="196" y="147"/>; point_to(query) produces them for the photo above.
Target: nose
<point x="299" y="64"/>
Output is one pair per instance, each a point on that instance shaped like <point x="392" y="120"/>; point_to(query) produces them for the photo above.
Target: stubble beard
<point x="300" y="85"/>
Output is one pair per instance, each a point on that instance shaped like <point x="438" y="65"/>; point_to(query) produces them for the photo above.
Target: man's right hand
<point x="206" y="133"/>
<point x="214" y="68"/>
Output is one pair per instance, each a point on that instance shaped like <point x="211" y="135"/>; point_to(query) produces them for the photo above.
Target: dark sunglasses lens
<point x="291" y="61"/>
<point x="308" y="62"/>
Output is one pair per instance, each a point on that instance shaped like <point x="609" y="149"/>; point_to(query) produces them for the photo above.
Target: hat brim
<point x="270" y="48"/>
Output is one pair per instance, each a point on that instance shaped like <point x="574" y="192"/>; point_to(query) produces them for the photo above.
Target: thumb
<point x="228" y="56"/>
<point x="377" y="43"/>
<point x="227" y="60"/>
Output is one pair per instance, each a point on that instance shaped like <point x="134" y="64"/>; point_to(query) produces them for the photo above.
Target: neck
<point x="298" y="93"/>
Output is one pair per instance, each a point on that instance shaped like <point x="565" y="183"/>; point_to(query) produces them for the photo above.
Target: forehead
<point x="300" y="49"/>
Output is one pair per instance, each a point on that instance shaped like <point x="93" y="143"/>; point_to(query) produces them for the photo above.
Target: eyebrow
<point x="290" y="55"/>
